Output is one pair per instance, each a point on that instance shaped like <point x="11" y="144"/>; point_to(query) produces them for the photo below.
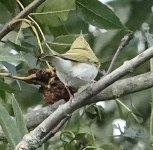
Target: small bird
<point x="78" y="66"/>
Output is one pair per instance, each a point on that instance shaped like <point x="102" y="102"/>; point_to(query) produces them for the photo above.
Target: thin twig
<point x="125" y="40"/>
<point x="12" y="24"/>
<point x="128" y="109"/>
<point x="55" y="130"/>
<point x="38" y="27"/>
<point x="29" y="79"/>
<point x="52" y="12"/>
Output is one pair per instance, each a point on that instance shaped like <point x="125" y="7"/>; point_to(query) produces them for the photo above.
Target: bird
<point x="78" y="66"/>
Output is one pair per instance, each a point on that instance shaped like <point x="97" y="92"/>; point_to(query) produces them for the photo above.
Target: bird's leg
<point x="70" y="94"/>
<point x="93" y="83"/>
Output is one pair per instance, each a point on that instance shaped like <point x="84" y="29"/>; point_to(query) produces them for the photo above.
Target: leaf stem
<point x="128" y="109"/>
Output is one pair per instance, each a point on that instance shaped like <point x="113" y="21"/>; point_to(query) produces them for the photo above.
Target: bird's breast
<point x="74" y="74"/>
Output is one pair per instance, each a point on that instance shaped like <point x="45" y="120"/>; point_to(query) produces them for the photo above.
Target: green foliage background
<point x="61" y="22"/>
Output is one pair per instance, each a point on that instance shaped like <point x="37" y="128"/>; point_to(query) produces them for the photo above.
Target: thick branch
<point x="34" y="118"/>
<point x="125" y="87"/>
<point x="80" y="100"/>
<point x="12" y="24"/>
<point x="118" y="89"/>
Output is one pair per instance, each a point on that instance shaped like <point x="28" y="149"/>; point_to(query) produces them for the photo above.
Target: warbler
<point x="78" y="66"/>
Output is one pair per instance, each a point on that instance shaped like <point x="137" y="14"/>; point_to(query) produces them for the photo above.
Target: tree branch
<point x="33" y="139"/>
<point x="125" y="87"/>
<point x="35" y="117"/>
<point x="12" y="24"/>
<point x="118" y="89"/>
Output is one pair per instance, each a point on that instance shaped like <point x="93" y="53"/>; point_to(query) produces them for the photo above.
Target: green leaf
<point x="79" y="136"/>
<point x="1" y="66"/>
<point x="6" y="54"/>
<point x="41" y="148"/>
<point x="18" y="48"/>
<point x="11" y="57"/>
<point x="4" y="12"/>
<point x="54" y="12"/>
<point x="28" y="96"/>
<point x="9" y="127"/>
<point x="2" y="94"/>
<point x="98" y="14"/>
<point x="25" y="2"/>
<point x="10" y="67"/>
<point x="6" y="87"/>
<point x="74" y="122"/>
<point x="120" y="111"/>
<point x="19" y="117"/>
<point x="135" y="131"/>
<point x="10" y="5"/>
<point x="110" y="147"/>
<point x="75" y="24"/>
<point x="139" y="13"/>
<point x="95" y="112"/>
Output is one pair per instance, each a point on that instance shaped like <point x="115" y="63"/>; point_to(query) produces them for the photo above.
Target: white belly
<point x="74" y="74"/>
